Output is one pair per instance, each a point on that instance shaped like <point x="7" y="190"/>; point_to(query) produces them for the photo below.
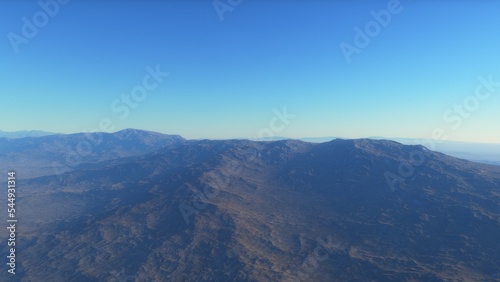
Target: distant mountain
<point x="478" y="152"/>
<point x="318" y="139"/>
<point x="24" y="133"/>
<point x="272" y="138"/>
<point x="55" y="154"/>
<point x="238" y="210"/>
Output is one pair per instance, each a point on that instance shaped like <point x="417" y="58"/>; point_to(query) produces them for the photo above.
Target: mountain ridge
<point x="205" y="210"/>
<point x="25" y="133"/>
<point x="46" y="155"/>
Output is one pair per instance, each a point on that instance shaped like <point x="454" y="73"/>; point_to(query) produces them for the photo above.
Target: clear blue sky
<point x="226" y="77"/>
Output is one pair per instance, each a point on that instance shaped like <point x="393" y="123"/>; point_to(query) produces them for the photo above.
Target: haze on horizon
<point x="426" y="71"/>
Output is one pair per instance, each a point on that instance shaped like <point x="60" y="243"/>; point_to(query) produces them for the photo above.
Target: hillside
<point x="240" y="210"/>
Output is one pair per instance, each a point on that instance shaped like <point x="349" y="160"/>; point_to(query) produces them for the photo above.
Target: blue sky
<point x="227" y="78"/>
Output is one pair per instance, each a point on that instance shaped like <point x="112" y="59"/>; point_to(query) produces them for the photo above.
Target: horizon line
<point x="273" y="138"/>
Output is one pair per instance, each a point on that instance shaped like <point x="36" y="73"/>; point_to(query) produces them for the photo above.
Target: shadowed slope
<point x="266" y="211"/>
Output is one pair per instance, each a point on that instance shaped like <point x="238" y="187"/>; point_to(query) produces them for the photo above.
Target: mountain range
<point x="143" y="206"/>
<point x="55" y="154"/>
<point x="488" y="153"/>
<point x="24" y="133"/>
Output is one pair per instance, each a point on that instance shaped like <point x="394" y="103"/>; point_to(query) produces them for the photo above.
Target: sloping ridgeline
<point x="239" y="210"/>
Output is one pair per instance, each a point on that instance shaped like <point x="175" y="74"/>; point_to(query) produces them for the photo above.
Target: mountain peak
<point x="24" y="133"/>
<point x="131" y="132"/>
<point x="226" y="210"/>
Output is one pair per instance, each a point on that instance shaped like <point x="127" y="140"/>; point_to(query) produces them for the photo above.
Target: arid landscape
<point x="238" y="210"/>
<point x="249" y="141"/>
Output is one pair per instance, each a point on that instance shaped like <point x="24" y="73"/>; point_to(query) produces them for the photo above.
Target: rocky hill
<point x="238" y="210"/>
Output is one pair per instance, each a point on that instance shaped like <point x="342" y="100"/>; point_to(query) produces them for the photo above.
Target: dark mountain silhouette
<point x="55" y="154"/>
<point x="24" y="133"/>
<point x="238" y="210"/>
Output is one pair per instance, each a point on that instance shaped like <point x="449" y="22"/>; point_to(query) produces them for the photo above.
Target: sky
<point x="247" y="69"/>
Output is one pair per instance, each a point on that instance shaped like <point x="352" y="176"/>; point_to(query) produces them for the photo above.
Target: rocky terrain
<point x="150" y="207"/>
